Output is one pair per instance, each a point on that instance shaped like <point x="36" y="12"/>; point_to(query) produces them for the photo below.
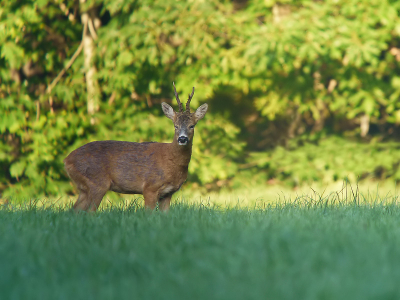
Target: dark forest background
<point x="298" y="91"/>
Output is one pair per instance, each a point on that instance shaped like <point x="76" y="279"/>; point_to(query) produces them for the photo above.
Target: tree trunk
<point x="90" y="19"/>
<point x="364" y="125"/>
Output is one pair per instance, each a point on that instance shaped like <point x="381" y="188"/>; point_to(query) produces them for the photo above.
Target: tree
<point x="270" y="70"/>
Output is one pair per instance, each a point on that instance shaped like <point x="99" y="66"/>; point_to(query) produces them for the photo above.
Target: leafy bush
<point x="329" y="160"/>
<point x="270" y="71"/>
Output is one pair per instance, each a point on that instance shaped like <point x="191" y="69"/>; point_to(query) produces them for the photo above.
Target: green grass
<point x="322" y="248"/>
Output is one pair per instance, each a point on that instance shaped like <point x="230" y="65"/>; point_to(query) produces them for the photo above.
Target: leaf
<point x="125" y="58"/>
<point x="17" y="168"/>
<point x="13" y="54"/>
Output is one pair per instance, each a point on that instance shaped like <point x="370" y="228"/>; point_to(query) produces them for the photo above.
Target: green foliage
<point x="328" y="161"/>
<point x="334" y="57"/>
<point x="287" y="64"/>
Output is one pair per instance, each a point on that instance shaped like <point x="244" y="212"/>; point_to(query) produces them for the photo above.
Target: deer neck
<point x="181" y="154"/>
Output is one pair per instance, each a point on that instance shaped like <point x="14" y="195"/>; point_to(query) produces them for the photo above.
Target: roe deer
<point x="156" y="170"/>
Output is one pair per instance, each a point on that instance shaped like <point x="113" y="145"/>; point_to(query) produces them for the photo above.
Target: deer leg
<point x="150" y="199"/>
<point x="96" y="195"/>
<point x="89" y="200"/>
<point x="163" y="204"/>
<point x="83" y="201"/>
<point x="90" y="193"/>
<point x="82" y="184"/>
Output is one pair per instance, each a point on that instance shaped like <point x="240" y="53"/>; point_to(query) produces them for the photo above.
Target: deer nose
<point x="183" y="140"/>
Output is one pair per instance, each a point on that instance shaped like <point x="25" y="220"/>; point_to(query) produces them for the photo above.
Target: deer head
<point x="184" y="121"/>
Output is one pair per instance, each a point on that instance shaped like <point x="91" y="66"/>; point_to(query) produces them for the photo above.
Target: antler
<point x="188" y="102"/>
<point x="177" y="99"/>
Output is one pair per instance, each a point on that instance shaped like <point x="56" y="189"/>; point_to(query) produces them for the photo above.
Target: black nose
<point x="183" y="139"/>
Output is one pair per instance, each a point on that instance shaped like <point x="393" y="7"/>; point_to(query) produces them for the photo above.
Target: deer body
<point x="155" y="170"/>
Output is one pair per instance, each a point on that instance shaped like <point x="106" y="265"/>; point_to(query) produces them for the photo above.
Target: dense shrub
<point x="270" y="70"/>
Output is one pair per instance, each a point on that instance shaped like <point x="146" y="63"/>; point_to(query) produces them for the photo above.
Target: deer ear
<point x="168" y="111"/>
<point x="201" y="111"/>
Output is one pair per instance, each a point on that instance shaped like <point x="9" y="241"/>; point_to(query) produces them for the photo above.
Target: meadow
<point x="301" y="94"/>
<point x="342" y="245"/>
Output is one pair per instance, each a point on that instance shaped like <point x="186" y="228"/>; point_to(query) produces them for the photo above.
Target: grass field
<point x="309" y="248"/>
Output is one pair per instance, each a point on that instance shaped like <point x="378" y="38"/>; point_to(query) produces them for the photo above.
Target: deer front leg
<point x="150" y="199"/>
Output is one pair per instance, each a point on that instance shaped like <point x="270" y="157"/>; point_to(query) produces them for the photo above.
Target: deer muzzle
<point x="183" y="140"/>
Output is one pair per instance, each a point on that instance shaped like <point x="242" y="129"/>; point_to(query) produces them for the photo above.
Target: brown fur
<point x="155" y="170"/>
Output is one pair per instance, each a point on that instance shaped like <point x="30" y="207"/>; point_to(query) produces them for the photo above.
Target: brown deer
<point x="155" y="170"/>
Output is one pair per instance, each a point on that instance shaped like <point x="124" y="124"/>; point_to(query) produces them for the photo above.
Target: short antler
<point x="188" y="102"/>
<point x="177" y="98"/>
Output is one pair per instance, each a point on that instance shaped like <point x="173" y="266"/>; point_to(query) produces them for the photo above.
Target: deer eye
<point x="191" y="127"/>
<point x="176" y="127"/>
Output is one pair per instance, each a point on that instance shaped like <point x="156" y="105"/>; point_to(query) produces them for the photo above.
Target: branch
<point x="69" y="64"/>
<point x="91" y="29"/>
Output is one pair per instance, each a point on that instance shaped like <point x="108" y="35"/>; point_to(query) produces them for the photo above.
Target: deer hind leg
<point x="83" y="201"/>
<point x="163" y="204"/>
<point x="89" y="199"/>
<point x="96" y="195"/>
<point x="81" y="182"/>
<point x="90" y="193"/>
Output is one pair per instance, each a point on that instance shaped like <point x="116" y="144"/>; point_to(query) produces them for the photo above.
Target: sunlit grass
<point x="267" y="195"/>
<point x="309" y="248"/>
<point x="249" y="197"/>
<point x="339" y="244"/>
